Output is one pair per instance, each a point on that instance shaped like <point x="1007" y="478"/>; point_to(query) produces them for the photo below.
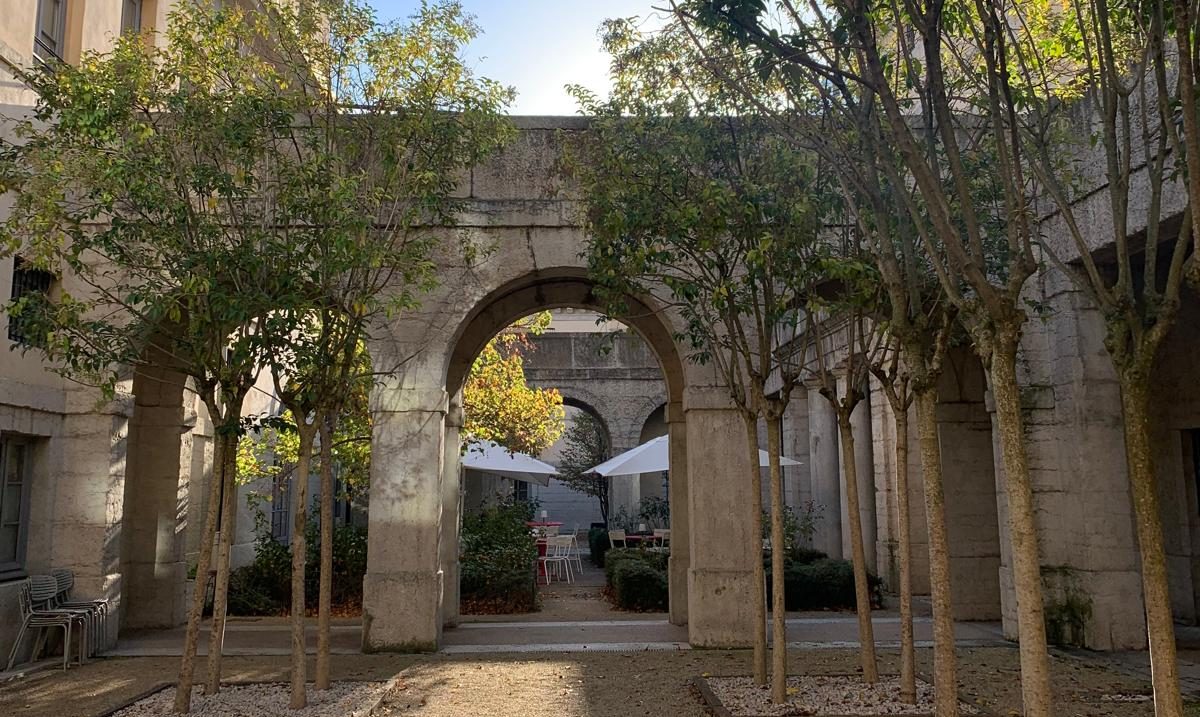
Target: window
<point x="51" y="30"/>
<point x="15" y="464"/>
<point x="281" y="526"/>
<point x="131" y="16"/>
<point x="521" y="491"/>
<point x="27" y="282"/>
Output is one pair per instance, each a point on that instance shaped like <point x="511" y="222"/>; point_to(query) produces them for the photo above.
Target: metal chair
<point x="33" y="594"/>
<point x="558" y="552"/>
<point x="578" y="554"/>
<point x="617" y="536"/>
<point x="662" y="538"/>
<point x="97" y="608"/>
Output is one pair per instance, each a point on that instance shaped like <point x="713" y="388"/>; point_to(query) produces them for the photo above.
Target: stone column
<point x="402" y="590"/>
<point x="680" y="559"/>
<point x="723" y="551"/>
<point x="825" y="474"/>
<point x="155" y="489"/>
<point x="864" y="459"/>
<point x="451" y="499"/>
<point x="83" y="505"/>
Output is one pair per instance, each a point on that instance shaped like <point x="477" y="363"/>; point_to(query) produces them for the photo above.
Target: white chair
<point x="558" y="553"/>
<point x="662" y="538"/>
<point x="578" y="554"/>
<point x="617" y="536"/>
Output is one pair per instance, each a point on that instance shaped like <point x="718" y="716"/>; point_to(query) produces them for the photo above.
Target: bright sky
<point x="538" y="46"/>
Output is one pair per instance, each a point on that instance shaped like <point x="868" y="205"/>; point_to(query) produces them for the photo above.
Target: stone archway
<point x="518" y="208"/>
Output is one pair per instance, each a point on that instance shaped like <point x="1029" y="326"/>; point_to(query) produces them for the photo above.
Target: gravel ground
<point x="833" y="695"/>
<point x="591" y="684"/>
<point x="342" y="699"/>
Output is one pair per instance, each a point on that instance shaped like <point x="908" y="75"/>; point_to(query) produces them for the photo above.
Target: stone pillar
<point x="723" y="548"/>
<point x="824" y="473"/>
<point x="402" y="590"/>
<point x="680" y="558"/>
<point x="83" y="506"/>
<point x="155" y="489"/>
<point x="451" y="521"/>
<point x="864" y="460"/>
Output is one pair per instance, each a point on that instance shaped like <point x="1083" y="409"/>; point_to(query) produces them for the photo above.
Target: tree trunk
<point x="858" y="553"/>
<point x="760" y="589"/>
<point x="945" y="661"/>
<point x="778" y="543"/>
<point x="1026" y="567"/>
<point x="216" y="637"/>
<point x="299" y="550"/>
<point x="187" y="663"/>
<point x="325" y="598"/>
<point x="908" y="670"/>
<point x="1160" y="624"/>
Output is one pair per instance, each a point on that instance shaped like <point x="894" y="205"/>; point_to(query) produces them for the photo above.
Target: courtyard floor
<point x="576" y="684"/>
<point x="578" y="657"/>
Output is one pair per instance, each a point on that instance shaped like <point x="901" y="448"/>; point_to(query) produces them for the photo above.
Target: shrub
<point x="497" y="560"/>
<point x="264" y="587"/>
<point x="638" y="585"/>
<point x="613" y="558"/>
<point x="637" y="579"/>
<point x="824" y="584"/>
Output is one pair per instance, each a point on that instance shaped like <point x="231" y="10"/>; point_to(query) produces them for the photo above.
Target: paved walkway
<point x="271" y="636"/>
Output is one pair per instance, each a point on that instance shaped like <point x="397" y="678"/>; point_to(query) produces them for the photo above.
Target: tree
<point x="974" y="214"/>
<point x="586" y="446"/>
<point x="500" y="406"/>
<point x="694" y="204"/>
<point x="835" y="121"/>
<point x="1118" y="63"/>
<point x="148" y="216"/>
<point x="185" y="174"/>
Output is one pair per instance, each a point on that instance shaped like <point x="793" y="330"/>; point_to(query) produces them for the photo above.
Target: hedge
<point x="824" y="584"/>
<point x="637" y="578"/>
<point x="639" y="585"/>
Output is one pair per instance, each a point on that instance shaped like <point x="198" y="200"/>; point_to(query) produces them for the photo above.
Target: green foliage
<point x="799" y="526"/>
<point x="824" y="584"/>
<point x="202" y="202"/>
<point x="586" y="446"/>
<point x="637" y="578"/>
<point x="499" y="404"/>
<point x="497" y="559"/>
<point x="640" y="586"/>
<point x="655" y="511"/>
<point x="264" y="586"/>
<point x="692" y="202"/>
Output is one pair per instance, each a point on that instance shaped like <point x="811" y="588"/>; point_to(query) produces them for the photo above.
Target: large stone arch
<point x="519" y="212"/>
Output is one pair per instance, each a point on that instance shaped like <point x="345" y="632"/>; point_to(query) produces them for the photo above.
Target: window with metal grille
<point x="27" y="282"/>
<point x="15" y="469"/>
<point x="51" y="30"/>
<point x="131" y="16"/>
<point x="281" y="524"/>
